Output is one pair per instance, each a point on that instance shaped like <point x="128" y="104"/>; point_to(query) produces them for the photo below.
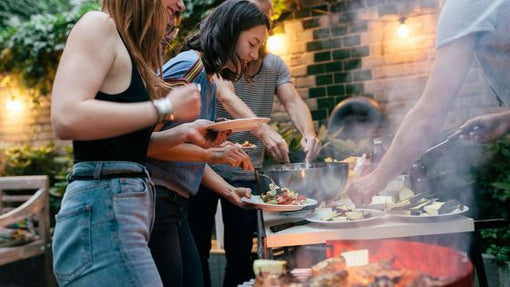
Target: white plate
<point x="259" y="204"/>
<point x="315" y="217"/>
<point x="378" y="202"/>
<point x="239" y="125"/>
<point x="426" y="217"/>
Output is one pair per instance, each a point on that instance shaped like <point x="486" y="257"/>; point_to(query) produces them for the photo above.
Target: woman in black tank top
<point x="109" y="113"/>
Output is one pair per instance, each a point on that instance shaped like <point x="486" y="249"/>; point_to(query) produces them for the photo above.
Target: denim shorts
<point x="102" y="229"/>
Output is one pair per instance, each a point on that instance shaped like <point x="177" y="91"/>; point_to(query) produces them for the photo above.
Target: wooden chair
<point x="34" y="207"/>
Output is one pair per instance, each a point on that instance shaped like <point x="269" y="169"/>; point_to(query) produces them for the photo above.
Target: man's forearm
<point x="422" y="125"/>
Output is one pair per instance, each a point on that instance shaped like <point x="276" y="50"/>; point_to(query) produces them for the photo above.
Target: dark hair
<point x="219" y="33"/>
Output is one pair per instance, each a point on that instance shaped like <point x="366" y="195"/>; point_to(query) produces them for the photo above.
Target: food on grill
<point x="282" y="195"/>
<point x="269" y="266"/>
<point x="334" y="272"/>
<point x="266" y="279"/>
<point x="423" y="204"/>
<point x="328" y="266"/>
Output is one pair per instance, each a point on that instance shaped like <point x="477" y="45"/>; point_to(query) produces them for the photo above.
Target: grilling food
<point x="269" y="266"/>
<point x="328" y="266"/>
<point x="334" y="272"/>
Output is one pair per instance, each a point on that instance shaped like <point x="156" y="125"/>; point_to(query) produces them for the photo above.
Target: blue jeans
<point x="103" y="226"/>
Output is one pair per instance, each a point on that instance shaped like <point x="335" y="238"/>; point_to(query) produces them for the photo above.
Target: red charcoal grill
<point x="431" y="259"/>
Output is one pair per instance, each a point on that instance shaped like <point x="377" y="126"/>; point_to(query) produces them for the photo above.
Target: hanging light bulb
<point x="403" y="30"/>
<point x="276" y="44"/>
<point x="14" y="105"/>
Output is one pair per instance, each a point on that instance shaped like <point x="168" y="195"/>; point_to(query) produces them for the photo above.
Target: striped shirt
<point x="258" y="96"/>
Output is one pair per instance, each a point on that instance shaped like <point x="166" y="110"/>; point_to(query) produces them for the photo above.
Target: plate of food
<point x="280" y="199"/>
<point x="379" y="202"/>
<point x="432" y="209"/>
<point x="238" y="125"/>
<point x="424" y="206"/>
<point x="344" y="216"/>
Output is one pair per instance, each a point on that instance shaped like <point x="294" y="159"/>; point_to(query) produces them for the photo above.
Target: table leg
<point x="262" y="251"/>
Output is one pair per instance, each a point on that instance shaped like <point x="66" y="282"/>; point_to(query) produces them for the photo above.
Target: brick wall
<point x="350" y="48"/>
<point x="336" y="49"/>
<point x="30" y="124"/>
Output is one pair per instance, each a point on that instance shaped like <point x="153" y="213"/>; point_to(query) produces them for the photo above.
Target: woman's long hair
<point x="142" y="25"/>
<point x="219" y="33"/>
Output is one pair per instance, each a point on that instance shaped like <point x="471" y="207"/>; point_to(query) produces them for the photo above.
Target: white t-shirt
<point x="490" y="21"/>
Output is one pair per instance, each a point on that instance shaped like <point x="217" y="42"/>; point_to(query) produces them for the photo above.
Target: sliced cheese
<point x="354" y="215"/>
<point x="404" y="193"/>
<point x="433" y="209"/>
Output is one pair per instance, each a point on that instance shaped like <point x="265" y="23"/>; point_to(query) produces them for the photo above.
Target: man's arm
<point x="301" y="117"/>
<point x="422" y="124"/>
<point x="272" y="141"/>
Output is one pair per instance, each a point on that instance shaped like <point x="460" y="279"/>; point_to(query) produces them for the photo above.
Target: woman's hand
<point x="230" y="154"/>
<point x="274" y="143"/>
<point x="236" y="194"/>
<point x="311" y="146"/>
<point x="198" y="134"/>
<point x="186" y="102"/>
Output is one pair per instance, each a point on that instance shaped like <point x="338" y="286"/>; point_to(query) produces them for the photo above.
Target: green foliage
<point x="193" y="14"/>
<point x="279" y="7"/>
<point x="28" y="160"/>
<point x="43" y="160"/>
<point x="22" y="10"/>
<point x="497" y="243"/>
<point x="493" y="190"/>
<point x="30" y="51"/>
<point x="493" y="180"/>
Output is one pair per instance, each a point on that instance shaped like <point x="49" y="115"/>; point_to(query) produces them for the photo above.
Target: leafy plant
<point x="30" y="51"/>
<point x="496" y="242"/>
<point x="21" y="10"/>
<point x="43" y="160"/>
<point x="493" y="191"/>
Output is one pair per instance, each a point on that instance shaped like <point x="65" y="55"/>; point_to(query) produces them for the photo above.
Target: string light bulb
<point x="14" y="105"/>
<point x="276" y="44"/>
<point x="403" y="30"/>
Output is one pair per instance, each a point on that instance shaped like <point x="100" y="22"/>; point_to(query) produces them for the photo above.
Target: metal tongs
<point x="446" y="142"/>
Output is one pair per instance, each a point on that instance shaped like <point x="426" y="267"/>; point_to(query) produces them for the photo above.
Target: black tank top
<point x="128" y="147"/>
